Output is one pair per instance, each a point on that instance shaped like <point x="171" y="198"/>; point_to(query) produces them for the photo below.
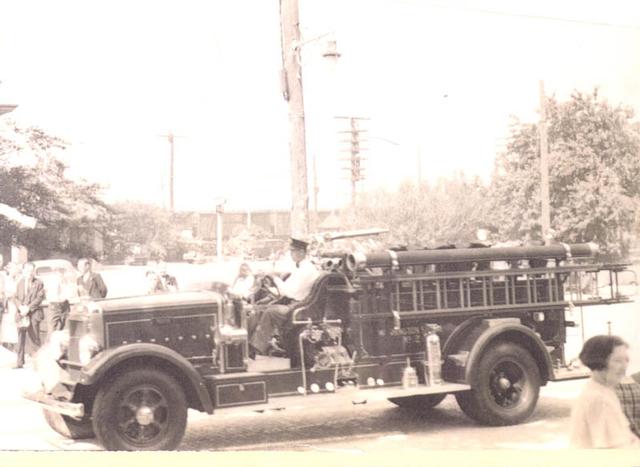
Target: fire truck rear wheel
<point x="505" y="386"/>
<point x="69" y="427"/>
<point x="418" y="402"/>
<point x="141" y="409"/>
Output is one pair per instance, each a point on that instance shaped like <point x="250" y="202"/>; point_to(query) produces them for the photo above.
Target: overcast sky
<point x="436" y="79"/>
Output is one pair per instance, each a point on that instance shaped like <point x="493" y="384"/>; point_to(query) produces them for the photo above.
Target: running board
<point x="346" y="396"/>
<point x="565" y="374"/>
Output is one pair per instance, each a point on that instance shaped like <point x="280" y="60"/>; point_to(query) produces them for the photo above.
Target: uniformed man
<point x="264" y="324"/>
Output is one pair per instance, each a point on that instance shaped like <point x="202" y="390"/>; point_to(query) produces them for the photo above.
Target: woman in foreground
<point x="597" y="419"/>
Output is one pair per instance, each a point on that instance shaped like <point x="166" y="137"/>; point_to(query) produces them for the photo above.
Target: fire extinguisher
<point x="433" y="357"/>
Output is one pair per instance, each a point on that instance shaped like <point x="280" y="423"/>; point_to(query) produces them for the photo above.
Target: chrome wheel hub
<point x="144" y="415"/>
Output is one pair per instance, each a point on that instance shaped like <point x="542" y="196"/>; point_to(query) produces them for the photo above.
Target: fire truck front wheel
<point x="504" y="386"/>
<point x="419" y="402"/>
<point x="140" y="409"/>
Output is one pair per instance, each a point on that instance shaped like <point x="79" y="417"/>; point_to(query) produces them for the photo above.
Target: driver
<point x="262" y="326"/>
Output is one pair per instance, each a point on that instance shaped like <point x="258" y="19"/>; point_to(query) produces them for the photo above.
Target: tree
<point x="594" y="174"/>
<point x="34" y="181"/>
<point x="422" y="215"/>
<point x="244" y="239"/>
<point x="141" y="224"/>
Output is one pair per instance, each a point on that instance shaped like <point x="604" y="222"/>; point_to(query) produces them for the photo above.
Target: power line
<point x="525" y="16"/>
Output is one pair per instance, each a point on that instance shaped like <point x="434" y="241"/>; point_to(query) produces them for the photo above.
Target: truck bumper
<point x="47" y="401"/>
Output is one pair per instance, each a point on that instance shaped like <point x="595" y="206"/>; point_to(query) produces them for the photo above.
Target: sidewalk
<point x="25" y="428"/>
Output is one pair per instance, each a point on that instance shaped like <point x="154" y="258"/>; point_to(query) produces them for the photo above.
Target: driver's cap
<point x="297" y="244"/>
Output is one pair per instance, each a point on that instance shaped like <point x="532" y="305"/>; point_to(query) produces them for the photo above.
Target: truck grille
<point x="77" y="329"/>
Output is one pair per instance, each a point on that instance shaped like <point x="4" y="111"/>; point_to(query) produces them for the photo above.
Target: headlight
<point x="59" y="341"/>
<point x="48" y="356"/>
<point x="87" y="348"/>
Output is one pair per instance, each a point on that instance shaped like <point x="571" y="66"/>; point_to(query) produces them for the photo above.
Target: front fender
<point x="513" y="330"/>
<point x="100" y="365"/>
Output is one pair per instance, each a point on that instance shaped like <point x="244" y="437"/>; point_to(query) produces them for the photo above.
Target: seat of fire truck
<point x="314" y="309"/>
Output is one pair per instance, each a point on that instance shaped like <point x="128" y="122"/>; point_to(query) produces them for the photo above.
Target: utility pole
<point x="354" y="167"/>
<point x="544" y="167"/>
<point x="292" y="93"/>
<point x="170" y="137"/>
<point x="419" y="157"/>
<point x="316" y="190"/>
<point x="355" y="159"/>
<point x="219" y="231"/>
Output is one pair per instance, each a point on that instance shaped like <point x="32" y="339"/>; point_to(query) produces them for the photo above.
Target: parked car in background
<point x="268" y="249"/>
<point x="138" y="256"/>
<point x="139" y="259"/>
<point x="45" y="270"/>
<point x="194" y="257"/>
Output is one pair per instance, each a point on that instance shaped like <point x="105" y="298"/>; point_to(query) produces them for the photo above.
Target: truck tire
<point x="69" y="427"/>
<point x="418" y="402"/>
<point x="140" y="410"/>
<point x="504" y="386"/>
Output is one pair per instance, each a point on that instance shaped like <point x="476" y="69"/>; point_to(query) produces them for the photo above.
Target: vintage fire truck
<point x="485" y="324"/>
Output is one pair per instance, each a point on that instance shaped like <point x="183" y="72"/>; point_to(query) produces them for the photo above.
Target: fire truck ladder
<point x="418" y="295"/>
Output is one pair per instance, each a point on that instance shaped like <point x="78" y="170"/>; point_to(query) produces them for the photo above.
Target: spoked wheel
<point x="140" y="410"/>
<point x="418" y="402"/>
<point x="505" y="386"/>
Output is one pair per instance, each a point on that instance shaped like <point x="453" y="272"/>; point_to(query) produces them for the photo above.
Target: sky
<point x="436" y="81"/>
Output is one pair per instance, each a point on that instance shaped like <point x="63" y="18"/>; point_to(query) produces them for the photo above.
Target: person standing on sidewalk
<point x="4" y="278"/>
<point x="29" y="295"/>
<point x="90" y="284"/>
<point x="59" y="296"/>
<point x="597" y="419"/>
<point x="9" y="326"/>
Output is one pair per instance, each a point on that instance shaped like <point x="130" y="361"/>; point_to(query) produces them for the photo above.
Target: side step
<point x="237" y="389"/>
<point x="568" y="373"/>
<point x="346" y="396"/>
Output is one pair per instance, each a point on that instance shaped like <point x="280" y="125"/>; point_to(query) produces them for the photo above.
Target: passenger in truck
<point x="244" y="285"/>
<point x="265" y="322"/>
<point x="154" y="284"/>
<point x="169" y="282"/>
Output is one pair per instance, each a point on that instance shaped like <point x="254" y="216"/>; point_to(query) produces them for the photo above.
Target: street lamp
<point x="331" y="54"/>
<point x="220" y="202"/>
<point x="6" y="108"/>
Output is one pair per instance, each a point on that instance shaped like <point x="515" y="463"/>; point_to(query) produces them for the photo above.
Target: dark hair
<point x="597" y="349"/>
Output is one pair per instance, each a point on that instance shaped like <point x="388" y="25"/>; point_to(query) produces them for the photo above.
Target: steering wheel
<point x="265" y="294"/>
